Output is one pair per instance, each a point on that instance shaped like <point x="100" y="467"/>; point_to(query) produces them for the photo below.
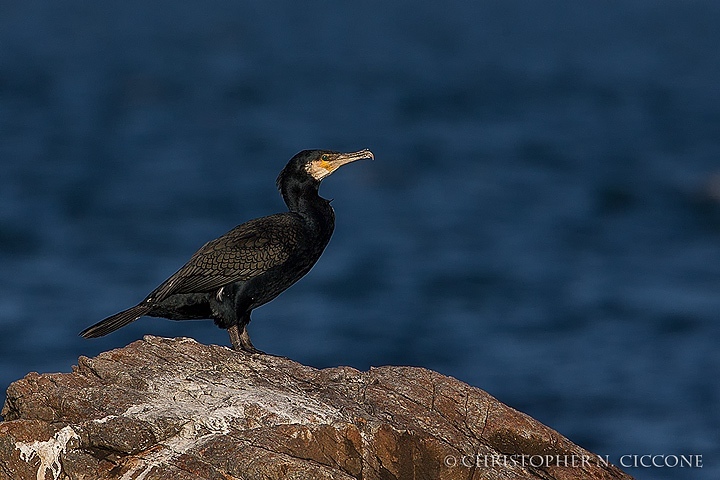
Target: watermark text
<point x="574" y="461"/>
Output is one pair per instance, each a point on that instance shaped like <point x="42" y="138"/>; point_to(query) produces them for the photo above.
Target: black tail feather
<point x="116" y="321"/>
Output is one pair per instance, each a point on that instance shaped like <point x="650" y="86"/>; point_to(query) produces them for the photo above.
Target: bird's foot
<point x="241" y="340"/>
<point x="246" y="349"/>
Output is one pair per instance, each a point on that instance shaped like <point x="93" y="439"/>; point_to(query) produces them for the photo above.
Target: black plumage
<point x="254" y="262"/>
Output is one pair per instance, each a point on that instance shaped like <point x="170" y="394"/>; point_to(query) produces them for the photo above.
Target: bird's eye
<point x="324" y="157"/>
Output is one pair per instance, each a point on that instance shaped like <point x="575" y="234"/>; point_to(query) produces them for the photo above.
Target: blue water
<point x="542" y="219"/>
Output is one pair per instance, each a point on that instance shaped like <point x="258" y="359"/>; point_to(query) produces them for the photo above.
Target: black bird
<point x="252" y="263"/>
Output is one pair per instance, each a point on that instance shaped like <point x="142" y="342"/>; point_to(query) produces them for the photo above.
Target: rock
<point x="175" y="409"/>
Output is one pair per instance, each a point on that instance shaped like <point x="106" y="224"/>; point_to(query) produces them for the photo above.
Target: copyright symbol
<point x="450" y="461"/>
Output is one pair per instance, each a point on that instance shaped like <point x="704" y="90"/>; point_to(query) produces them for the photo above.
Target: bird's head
<point x="315" y="165"/>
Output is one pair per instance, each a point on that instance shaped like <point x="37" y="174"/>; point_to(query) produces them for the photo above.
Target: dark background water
<point x="542" y="219"/>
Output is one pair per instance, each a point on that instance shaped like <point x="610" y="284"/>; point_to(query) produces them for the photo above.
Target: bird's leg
<point x="241" y="340"/>
<point x="234" y="332"/>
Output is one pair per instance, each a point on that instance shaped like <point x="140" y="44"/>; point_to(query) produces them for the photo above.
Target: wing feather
<point x="245" y="252"/>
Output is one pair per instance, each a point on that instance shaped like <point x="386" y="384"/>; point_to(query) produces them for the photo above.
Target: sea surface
<point x="542" y="219"/>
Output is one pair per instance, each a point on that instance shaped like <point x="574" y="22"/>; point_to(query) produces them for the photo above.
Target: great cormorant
<point x="254" y="262"/>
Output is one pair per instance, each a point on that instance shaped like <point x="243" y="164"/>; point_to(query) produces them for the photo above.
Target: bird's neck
<point x="314" y="209"/>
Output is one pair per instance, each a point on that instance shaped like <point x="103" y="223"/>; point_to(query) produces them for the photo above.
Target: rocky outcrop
<point x="175" y="409"/>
